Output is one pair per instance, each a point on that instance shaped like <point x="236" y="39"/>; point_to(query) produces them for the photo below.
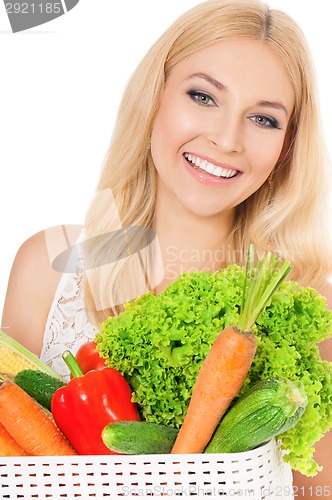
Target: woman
<point x="217" y="144"/>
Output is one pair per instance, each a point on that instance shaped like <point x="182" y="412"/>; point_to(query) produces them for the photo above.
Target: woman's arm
<point x="32" y="285"/>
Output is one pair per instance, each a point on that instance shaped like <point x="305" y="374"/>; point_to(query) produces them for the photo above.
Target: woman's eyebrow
<point x="275" y="105"/>
<point x="210" y="79"/>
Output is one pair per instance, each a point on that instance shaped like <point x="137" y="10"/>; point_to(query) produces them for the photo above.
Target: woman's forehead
<point x="241" y="63"/>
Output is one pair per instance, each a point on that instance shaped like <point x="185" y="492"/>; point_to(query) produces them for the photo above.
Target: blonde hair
<point x="290" y="217"/>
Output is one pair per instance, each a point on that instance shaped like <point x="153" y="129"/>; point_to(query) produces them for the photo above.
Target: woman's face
<point x="221" y="126"/>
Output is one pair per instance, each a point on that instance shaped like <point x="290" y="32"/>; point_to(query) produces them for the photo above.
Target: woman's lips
<point x="208" y="170"/>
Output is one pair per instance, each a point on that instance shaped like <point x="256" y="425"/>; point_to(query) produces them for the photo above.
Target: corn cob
<point x="15" y="358"/>
<point x="11" y="362"/>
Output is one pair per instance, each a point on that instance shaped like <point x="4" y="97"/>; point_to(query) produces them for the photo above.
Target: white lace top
<point x="67" y="326"/>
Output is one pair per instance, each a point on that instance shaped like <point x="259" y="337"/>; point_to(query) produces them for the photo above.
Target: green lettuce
<point x="159" y="343"/>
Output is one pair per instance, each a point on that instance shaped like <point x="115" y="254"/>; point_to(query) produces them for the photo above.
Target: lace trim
<point x="67" y="326"/>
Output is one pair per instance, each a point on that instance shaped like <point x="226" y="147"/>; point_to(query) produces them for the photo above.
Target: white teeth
<point x="210" y="167"/>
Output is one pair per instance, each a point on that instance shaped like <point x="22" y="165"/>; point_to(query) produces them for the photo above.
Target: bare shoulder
<point x="32" y="285"/>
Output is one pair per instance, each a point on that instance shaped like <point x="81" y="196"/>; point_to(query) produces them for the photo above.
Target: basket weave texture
<point x="257" y="474"/>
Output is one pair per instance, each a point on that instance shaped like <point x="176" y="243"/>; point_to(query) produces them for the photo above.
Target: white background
<point x="61" y="84"/>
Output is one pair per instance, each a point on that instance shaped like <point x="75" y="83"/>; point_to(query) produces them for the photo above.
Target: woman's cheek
<point x="265" y="156"/>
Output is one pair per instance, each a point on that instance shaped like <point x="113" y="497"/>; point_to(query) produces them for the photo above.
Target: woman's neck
<point x="191" y="243"/>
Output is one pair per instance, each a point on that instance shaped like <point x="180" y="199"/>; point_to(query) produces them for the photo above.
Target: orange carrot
<point x="219" y="380"/>
<point x="29" y="425"/>
<point x="227" y="364"/>
<point x="8" y="445"/>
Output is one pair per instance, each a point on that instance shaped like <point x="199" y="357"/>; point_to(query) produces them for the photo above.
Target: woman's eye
<point x="201" y="97"/>
<point x="265" y="121"/>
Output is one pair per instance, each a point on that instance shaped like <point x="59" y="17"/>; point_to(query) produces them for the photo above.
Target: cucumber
<point x="132" y="437"/>
<point x="271" y="407"/>
<point x="38" y="385"/>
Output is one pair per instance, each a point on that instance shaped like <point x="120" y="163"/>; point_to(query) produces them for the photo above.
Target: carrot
<point x="219" y="380"/>
<point x="8" y="445"/>
<point x="29" y="425"/>
<point x="227" y="364"/>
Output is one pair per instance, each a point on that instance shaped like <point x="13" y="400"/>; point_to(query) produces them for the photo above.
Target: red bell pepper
<point x="88" y="403"/>
<point x="88" y="357"/>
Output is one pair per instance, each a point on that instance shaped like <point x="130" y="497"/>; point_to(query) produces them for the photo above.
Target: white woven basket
<point x="256" y="474"/>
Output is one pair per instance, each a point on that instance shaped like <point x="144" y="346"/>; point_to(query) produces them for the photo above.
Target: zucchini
<point x="271" y="407"/>
<point x="133" y="437"/>
<point x="38" y="385"/>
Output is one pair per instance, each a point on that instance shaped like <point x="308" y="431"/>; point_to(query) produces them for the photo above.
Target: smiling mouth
<point x="210" y="168"/>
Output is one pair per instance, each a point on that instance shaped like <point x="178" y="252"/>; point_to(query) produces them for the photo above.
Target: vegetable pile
<point x="218" y="363"/>
<point x="159" y="344"/>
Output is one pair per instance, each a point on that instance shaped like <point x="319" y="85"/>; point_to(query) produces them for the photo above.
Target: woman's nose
<point x="227" y="135"/>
